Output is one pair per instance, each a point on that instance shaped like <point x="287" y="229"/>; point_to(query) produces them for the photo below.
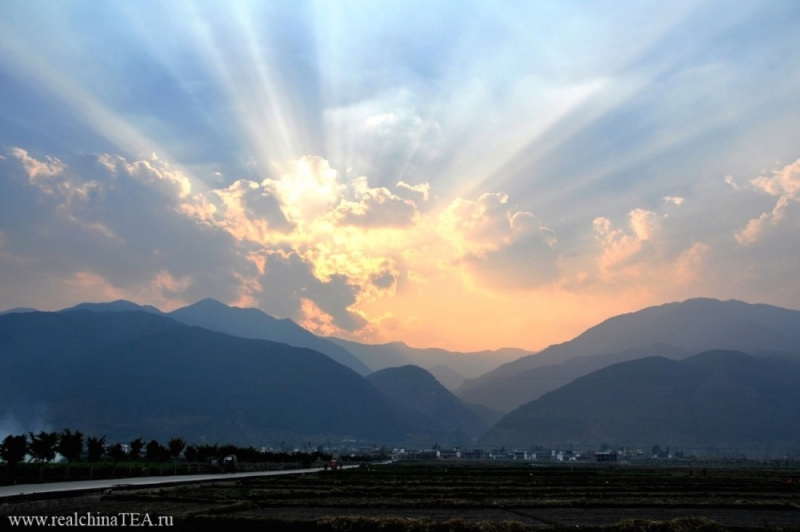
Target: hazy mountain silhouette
<point x="119" y="305"/>
<point x="723" y="400"/>
<point x="253" y="323"/>
<point x="674" y="330"/>
<point x="506" y="393"/>
<point x="447" y="376"/>
<point x="395" y="354"/>
<point x="416" y="388"/>
<point x="17" y="310"/>
<point x="244" y="322"/>
<point x="129" y="374"/>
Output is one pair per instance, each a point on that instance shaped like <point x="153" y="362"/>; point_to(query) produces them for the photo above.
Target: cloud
<point x="783" y="184"/>
<point x="248" y="211"/>
<point x="423" y="189"/>
<point x="674" y="200"/>
<point x="288" y="286"/>
<point x="646" y="257"/>
<point x="310" y="243"/>
<point x="38" y="171"/>
<point x="475" y="227"/>
<point x="619" y="247"/>
<point x="502" y="247"/>
<point x="329" y="250"/>
<point x="376" y="207"/>
<point x="387" y="135"/>
<point x="115" y="222"/>
<point x="154" y="171"/>
<point x="50" y="176"/>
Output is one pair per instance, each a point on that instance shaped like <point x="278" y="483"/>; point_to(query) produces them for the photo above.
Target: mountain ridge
<point x="721" y="398"/>
<point x="132" y="373"/>
<point x="691" y="326"/>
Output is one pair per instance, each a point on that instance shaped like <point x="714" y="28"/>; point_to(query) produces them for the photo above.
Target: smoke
<point x="30" y="418"/>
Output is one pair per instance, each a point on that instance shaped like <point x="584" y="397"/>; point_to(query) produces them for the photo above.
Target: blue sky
<point x="461" y="174"/>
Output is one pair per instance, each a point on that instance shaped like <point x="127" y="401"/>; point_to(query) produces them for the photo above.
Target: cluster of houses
<point x="554" y="455"/>
<point x="530" y="455"/>
<point x="536" y="455"/>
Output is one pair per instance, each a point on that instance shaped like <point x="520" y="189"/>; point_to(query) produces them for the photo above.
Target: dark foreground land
<point x="455" y="497"/>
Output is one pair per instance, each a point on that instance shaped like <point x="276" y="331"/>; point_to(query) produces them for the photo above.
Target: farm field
<point x="457" y="496"/>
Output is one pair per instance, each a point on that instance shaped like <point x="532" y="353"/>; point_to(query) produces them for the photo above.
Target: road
<point x="61" y="489"/>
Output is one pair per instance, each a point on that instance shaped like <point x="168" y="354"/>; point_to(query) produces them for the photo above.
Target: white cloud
<point x="377" y="207"/>
<point x="785" y="185"/>
<point x="619" y="246"/>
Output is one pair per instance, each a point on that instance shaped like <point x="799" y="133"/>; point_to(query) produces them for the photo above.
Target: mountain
<point x="119" y="305"/>
<point x="130" y="374"/>
<point x="17" y="310"/>
<point x="244" y="322"/>
<point x="447" y="376"/>
<point x="253" y="323"/>
<point x="395" y="354"/>
<point x="413" y="387"/>
<point x="507" y="393"/>
<point x="723" y="400"/>
<point x="685" y="328"/>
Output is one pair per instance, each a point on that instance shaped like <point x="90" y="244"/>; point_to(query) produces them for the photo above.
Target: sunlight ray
<point x="56" y="84"/>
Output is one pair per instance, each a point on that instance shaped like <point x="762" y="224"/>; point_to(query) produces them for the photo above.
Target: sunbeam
<point x="401" y="171"/>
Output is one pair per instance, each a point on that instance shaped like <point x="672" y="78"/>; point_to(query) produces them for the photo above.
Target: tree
<point x="42" y="446"/>
<point x="176" y="445"/>
<point x="117" y="453"/>
<point x="656" y="450"/>
<point x="136" y="448"/>
<point x="13" y="449"/>
<point x="190" y="453"/>
<point x="70" y="445"/>
<point x="155" y="452"/>
<point x="95" y="448"/>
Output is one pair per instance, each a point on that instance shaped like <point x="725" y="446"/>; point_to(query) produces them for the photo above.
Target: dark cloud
<point x="289" y="278"/>
<point x="260" y="204"/>
<point x="384" y="280"/>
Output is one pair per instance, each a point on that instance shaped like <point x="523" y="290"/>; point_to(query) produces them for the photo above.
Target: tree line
<point x="43" y="447"/>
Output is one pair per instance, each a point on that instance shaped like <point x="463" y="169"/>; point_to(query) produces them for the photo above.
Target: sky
<point x="466" y="175"/>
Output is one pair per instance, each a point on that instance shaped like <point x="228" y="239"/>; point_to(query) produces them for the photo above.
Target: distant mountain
<point x="17" y="310"/>
<point x="506" y="393"/>
<point x="681" y="329"/>
<point x="415" y="388"/>
<point x="244" y="322"/>
<point x="129" y="374"/>
<point x="253" y="323"/>
<point x="395" y="354"/>
<point x="717" y="401"/>
<point x="447" y="376"/>
<point x="119" y="305"/>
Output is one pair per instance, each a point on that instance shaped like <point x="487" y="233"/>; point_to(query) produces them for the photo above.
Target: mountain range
<point x="451" y="368"/>
<point x="130" y="373"/>
<point x="714" y="402"/>
<point x="243" y="322"/>
<point x="674" y="330"/>
<point x="678" y="374"/>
